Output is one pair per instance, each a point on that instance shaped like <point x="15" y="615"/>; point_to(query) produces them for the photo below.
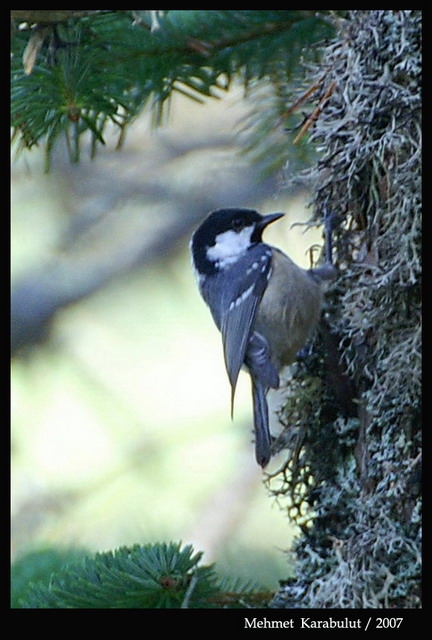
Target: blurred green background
<point x="121" y="429"/>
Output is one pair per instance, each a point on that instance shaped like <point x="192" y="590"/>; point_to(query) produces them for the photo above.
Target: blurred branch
<point x="40" y="294"/>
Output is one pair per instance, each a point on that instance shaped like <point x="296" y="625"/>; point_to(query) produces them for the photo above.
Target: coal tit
<point x="264" y="305"/>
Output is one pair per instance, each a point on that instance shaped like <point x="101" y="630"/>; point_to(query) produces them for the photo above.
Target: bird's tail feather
<point x="261" y="424"/>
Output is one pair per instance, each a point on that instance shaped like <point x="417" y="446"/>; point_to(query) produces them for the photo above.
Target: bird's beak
<point x="269" y="218"/>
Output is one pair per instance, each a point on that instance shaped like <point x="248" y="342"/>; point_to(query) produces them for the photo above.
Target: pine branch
<point x="74" y="78"/>
<point x="49" y="16"/>
<point x="161" y="575"/>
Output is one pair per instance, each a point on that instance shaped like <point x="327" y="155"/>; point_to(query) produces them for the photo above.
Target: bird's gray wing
<point x="241" y="296"/>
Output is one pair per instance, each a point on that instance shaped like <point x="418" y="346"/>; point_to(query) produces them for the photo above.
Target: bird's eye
<point x="237" y="224"/>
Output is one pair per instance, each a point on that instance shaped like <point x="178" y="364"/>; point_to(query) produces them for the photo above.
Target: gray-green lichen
<point x="352" y="422"/>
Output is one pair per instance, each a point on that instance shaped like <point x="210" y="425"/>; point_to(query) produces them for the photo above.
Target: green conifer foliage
<point x="74" y="76"/>
<point x="153" y="576"/>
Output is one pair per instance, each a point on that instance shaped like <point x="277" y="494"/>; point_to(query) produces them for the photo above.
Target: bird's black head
<point x="225" y="235"/>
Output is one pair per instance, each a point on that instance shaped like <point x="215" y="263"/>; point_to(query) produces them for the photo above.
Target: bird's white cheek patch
<point x="230" y="246"/>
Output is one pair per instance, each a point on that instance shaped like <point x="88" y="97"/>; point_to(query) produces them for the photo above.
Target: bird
<point x="265" y="306"/>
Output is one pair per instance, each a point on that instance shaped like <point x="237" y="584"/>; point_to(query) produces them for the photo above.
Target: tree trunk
<point x="353" y="429"/>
